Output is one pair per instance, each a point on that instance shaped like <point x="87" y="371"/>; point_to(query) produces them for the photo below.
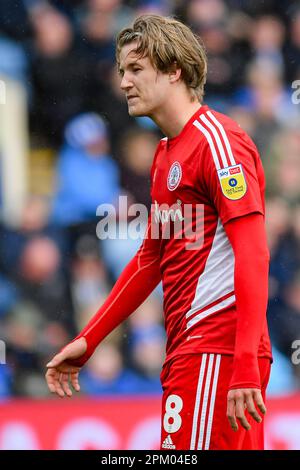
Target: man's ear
<point x="174" y="73"/>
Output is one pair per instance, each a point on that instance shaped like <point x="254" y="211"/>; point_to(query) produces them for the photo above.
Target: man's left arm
<point x="247" y="236"/>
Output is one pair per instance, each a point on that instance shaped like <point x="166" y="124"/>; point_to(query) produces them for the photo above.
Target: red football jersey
<point x="208" y="174"/>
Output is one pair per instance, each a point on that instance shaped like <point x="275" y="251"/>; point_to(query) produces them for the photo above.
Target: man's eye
<point x="136" y="69"/>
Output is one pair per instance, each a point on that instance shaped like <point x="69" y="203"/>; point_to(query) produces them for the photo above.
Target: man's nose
<point x="125" y="83"/>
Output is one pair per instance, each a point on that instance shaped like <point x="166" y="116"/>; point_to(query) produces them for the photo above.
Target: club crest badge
<point x="233" y="182"/>
<point x="174" y="176"/>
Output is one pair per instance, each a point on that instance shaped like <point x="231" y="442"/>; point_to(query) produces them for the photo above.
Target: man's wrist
<point x="245" y="372"/>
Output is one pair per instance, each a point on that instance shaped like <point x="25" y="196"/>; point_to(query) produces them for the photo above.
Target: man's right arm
<point x="135" y="284"/>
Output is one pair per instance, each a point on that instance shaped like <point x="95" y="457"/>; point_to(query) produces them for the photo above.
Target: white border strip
<point x="197" y="402"/>
<point x="212" y="402"/>
<point x="205" y="401"/>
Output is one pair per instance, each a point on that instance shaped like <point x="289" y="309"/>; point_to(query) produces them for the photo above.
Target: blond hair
<point x="168" y="42"/>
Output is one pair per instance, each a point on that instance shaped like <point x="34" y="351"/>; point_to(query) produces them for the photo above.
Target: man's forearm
<point x="248" y="239"/>
<point x="134" y="285"/>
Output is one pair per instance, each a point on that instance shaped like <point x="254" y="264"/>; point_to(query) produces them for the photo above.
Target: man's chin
<point x="134" y="112"/>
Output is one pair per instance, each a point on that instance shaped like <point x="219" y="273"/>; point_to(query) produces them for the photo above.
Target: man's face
<point x="145" y="87"/>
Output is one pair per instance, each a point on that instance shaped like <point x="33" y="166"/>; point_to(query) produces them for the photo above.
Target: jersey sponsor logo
<point x="168" y="443"/>
<point x="234" y="170"/>
<point x="233" y="182"/>
<point x="165" y="215"/>
<point x="174" y="176"/>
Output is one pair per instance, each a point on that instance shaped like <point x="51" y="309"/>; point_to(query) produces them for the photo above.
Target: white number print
<point x="172" y="418"/>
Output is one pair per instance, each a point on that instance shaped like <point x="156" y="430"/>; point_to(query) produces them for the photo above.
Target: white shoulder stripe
<point x="217" y="139"/>
<point x="210" y="142"/>
<point x="221" y="128"/>
<point x="213" y="131"/>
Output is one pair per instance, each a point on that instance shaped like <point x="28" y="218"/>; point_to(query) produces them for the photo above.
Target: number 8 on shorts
<point x="172" y="419"/>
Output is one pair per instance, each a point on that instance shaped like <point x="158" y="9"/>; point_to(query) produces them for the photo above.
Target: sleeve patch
<point x="233" y="182"/>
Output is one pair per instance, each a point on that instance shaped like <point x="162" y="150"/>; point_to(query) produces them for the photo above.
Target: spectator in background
<point x="99" y="24"/>
<point x="281" y="244"/>
<point x="60" y="74"/>
<point x="38" y="317"/>
<point x="284" y="305"/>
<point x="33" y="224"/>
<point x="87" y="176"/>
<point x="5" y="381"/>
<point x="283" y="163"/>
<point x="147" y="353"/>
<point x="42" y="282"/>
<point x="107" y="374"/>
<point x="292" y="50"/>
<point x="147" y="315"/>
<point x="285" y="319"/>
<point x="146" y="342"/>
<point x="267" y="98"/>
<point x="8" y="295"/>
<point x="136" y="151"/>
<point x="37" y="313"/>
<point x="117" y="11"/>
<point x="89" y="280"/>
<point x="157" y="7"/>
<point x="30" y="337"/>
<point x="205" y="12"/>
<point x="245" y="118"/>
<point x="109" y="101"/>
<point x="210" y="21"/>
<point x="15" y="31"/>
<point x="282" y="380"/>
<point x="267" y="38"/>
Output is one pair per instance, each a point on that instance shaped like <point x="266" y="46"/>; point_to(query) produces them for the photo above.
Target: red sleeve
<point x="248" y="239"/>
<point x="232" y="175"/>
<point x="134" y="285"/>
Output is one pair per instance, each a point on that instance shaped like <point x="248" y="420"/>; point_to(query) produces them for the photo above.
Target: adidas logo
<point x="168" y="443"/>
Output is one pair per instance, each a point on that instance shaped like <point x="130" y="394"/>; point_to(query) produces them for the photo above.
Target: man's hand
<point x="60" y="373"/>
<point x="241" y="399"/>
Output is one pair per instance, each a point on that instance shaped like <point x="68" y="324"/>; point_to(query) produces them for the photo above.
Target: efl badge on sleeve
<point x="233" y="182"/>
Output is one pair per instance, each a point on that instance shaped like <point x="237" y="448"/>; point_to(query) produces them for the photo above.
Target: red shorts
<point x="195" y="403"/>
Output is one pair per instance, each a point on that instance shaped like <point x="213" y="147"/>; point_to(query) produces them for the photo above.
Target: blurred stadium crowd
<point x="84" y="150"/>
